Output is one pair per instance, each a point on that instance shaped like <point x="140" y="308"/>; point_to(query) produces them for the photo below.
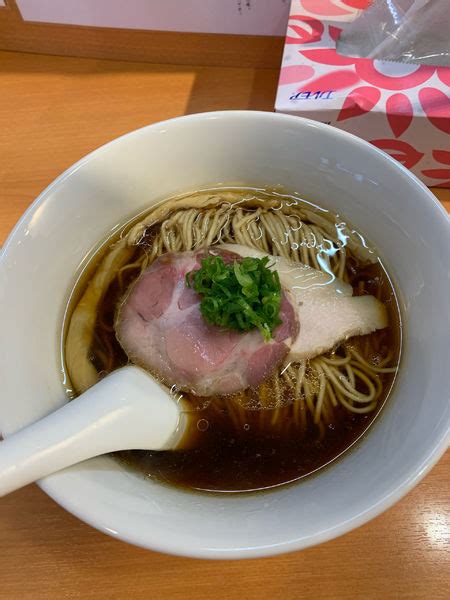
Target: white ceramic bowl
<point x="333" y="168"/>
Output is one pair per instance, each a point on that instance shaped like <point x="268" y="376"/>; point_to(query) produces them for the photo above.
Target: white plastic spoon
<point x="126" y="410"/>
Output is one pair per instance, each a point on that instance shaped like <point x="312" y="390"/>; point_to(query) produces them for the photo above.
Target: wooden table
<point x="53" y="111"/>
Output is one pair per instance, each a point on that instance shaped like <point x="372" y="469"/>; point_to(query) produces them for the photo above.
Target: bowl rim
<point x="57" y="490"/>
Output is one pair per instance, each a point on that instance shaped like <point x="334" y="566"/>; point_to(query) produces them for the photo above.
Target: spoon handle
<point x="126" y="410"/>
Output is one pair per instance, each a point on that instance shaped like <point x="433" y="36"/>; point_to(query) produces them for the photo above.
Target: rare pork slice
<point x="160" y="327"/>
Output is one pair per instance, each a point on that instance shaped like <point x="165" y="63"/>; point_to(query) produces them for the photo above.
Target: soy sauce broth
<point x="251" y="454"/>
<point x="227" y="460"/>
<point x="239" y="449"/>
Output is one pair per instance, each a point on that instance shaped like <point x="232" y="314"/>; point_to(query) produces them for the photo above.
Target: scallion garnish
<point x="241" y="295"/>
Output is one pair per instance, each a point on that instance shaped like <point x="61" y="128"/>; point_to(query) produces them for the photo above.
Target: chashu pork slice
<point x="327" y="311"/>
<point x="160" y="327"/>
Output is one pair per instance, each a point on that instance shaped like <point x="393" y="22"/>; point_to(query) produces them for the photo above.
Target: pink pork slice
<point x="160" y="327"/>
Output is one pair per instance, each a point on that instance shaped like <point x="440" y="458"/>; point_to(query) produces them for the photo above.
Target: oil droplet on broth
<point x="202" y="424"/>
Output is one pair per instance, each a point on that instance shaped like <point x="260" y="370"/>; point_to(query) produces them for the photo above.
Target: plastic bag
<point x="411" y="31"/>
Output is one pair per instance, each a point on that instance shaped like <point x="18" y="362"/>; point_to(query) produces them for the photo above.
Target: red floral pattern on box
<point x="442" y="157"/>
<point x="402" y="109"/>
<point x="303" y="30"/>
<point x="334" y="8"/>
<point x="359" y="101"/>
<point x="399" y="112"/>
<point x="401" y="151"/>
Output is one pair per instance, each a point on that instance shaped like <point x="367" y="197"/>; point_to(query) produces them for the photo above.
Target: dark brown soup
<point x="249" y="457"/>
<point x="235" y="449"/>
<point x="296" y="422"/>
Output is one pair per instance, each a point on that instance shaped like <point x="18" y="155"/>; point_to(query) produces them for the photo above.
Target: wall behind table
<point x="245" y="33"/>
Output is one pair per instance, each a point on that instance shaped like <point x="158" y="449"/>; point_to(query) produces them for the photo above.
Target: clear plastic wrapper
<point x="411" y="31"/>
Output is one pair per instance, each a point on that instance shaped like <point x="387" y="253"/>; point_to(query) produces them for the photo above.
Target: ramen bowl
<point x="334" y="169"/>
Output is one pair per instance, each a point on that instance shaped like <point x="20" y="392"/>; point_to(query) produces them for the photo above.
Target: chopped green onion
<point x="242" y="295"/>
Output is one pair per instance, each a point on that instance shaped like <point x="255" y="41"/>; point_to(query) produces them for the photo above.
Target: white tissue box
<point x="403" y="109"/>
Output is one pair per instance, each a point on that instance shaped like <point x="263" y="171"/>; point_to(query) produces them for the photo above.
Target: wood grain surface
<point x="53" y="111"/>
